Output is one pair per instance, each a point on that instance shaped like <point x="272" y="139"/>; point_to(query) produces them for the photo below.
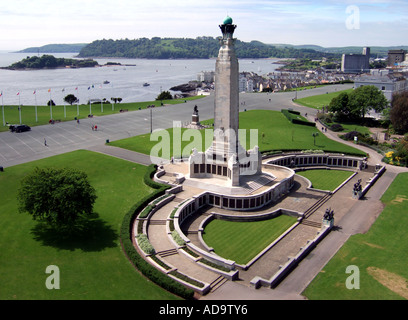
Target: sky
<point x="332" y="23"/>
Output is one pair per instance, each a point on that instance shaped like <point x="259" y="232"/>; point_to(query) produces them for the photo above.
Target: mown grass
<point x="274" y="132"/>
<point x="69" y="113"/>
<point x="326" y="179"/>
<point x="92" y="264"/>
<point x="321" y="100"/>
<point x="242" y="241"/>
<point x="380" y="255"/>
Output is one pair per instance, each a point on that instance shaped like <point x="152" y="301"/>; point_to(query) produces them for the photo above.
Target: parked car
<point x="19" y="128"/>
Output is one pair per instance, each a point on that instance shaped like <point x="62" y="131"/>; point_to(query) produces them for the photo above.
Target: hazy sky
<point x="27" y="23"/>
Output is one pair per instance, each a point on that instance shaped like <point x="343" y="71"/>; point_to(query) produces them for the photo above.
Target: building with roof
<point x="356" y="63"/>
<point x="395" y="57"/>
<point x="386" y="81"/>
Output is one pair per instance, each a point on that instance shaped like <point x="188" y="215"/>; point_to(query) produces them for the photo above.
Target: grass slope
<point x="326" y="179"/>
<point x="92" y="266"/>
<point x="237" y="240"/>
<point x="275" y="132"/>
<point x="380" y="255"/>
<point x="319" y="101"/>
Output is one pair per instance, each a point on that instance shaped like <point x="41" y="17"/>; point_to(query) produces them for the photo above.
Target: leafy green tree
<point x="63" y="198"/>
<point x="340" y="106"/>
<point x="365" y="99"/>
<point x="355" y="105"/>
<point x="165" y="95"/>
<point x="399" y="112"/>
<point x="71" y="99"/>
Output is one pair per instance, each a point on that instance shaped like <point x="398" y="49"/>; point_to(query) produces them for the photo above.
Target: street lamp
<point x="315" y="134"/>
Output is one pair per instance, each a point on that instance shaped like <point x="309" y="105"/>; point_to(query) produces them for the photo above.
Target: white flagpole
<point x="2" y="108"/>
<point x="65" y="111"/>
<point x="19" y="107"/>
<point x="50" y="104"/>
<point x="76" y="89"/>
<point x="113" y="95"/>
<point x="35" y="96"/>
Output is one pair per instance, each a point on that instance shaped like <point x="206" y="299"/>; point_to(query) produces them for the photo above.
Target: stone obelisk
<point x="226" y="157"/>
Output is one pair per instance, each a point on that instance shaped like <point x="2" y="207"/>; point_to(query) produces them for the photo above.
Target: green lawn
<point x="380" y="255"/>
<point x="12" y="115"/>
<point x="326" y="179"/>
<point x="319" y="101"/>
<point x="93" y="265"/>
<point x="242" y="241"/>
<point x="279" y="134"/>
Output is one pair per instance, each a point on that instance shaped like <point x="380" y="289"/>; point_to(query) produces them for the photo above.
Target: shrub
<point x="145" y="244"/>
<point x="179" y="240"/>
<point x="336" y="127"/>
<point x="143" y="266"/>
<point x="293" y="116"/>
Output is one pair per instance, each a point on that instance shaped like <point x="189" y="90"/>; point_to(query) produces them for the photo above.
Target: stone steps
<point x="166" y="253"/>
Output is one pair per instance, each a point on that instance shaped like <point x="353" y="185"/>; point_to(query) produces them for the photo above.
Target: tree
<point x="356" y="104"/>
<point x="365" y="99"/>
<point x="399" y="112"/>
<point x="340" y="106"/>
<point x="71" y="99"/>
<point x="63" y="198"/>
<point x="165" y="95"/>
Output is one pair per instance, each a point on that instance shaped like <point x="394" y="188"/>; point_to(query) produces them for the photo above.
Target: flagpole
<point x="113" y="94"/>
<point x="19" y="107"/>
<point x="77" y="103"/>
<point x="50" y="104"/>
<point x="65" y="111"/>
<point x="35" y="96"/>
<point x="2" y="108"/>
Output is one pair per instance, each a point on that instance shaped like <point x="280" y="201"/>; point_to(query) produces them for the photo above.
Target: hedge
<point x="143" y="266"/>
<point x="282" y="150"/>
<point x="292" y="117"/>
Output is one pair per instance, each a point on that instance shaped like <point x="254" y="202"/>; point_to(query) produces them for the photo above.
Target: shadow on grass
<point x="90" y="236"/>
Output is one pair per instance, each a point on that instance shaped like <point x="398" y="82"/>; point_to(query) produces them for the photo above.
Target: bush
<point x="293" y="116"/>
<point x="143" y="266"/>
<point x="179" y="240"/>
<point x="336" y="127"/>
<point x="145" y="244"/>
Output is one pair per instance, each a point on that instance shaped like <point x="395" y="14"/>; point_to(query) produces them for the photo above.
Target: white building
<point x="206" y="76"/>
<point x="388" y="83"/>
<point x="245" y="85"/>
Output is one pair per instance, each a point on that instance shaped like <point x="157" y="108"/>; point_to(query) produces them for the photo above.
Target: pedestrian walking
<point x="45" y="143"/>
<point x="96" y="127"/>
<point x="93" y="127"/>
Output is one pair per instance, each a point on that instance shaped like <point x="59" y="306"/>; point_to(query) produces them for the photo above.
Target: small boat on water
<point x="146" y="84"/>
<point x="106" y="82"/>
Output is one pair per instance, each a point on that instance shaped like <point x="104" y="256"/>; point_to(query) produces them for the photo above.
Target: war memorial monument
<point x="230" y="183"/>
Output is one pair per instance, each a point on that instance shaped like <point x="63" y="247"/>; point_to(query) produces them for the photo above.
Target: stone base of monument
<point x="195" y="119"/>
<point x="328" y="223"/>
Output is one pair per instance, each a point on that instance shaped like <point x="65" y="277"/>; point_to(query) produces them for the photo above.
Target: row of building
<point x="356" y="68"/>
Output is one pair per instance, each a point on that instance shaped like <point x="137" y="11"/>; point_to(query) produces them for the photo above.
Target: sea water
<point x="31" y="87"/>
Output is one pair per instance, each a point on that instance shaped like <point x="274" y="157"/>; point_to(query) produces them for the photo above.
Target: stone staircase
<point x="217" y="283"/>
<point x="166" y="253"/>
<point x="258" y="183"/>
<point x="312" y="223"/>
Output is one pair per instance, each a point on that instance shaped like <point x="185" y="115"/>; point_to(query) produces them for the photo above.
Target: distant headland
<point x="47" y="61"/>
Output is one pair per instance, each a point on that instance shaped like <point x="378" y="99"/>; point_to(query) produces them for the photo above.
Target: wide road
<point x="17" y="148"/>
